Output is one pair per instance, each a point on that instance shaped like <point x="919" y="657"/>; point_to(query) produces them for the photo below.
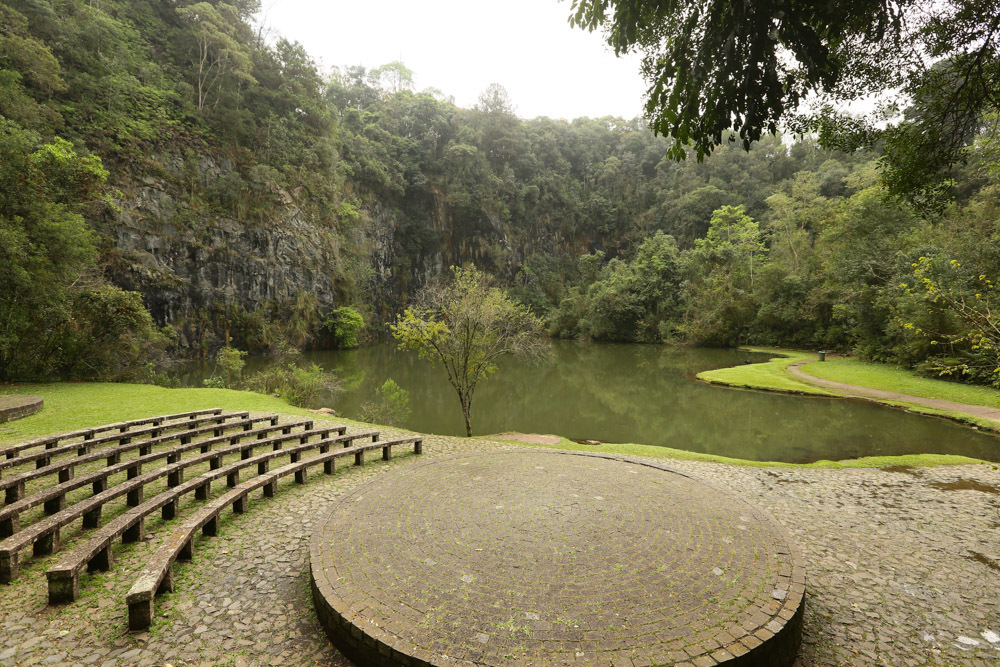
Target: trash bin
<point x="822" y="355"/>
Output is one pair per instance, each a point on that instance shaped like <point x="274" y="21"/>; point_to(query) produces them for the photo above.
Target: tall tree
<point x="222" y="56"/>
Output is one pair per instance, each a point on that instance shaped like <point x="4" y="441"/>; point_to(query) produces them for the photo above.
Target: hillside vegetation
<point x="176" y="171"/>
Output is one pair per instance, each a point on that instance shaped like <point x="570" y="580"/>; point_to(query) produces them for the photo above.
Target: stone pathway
<point x="855" y="391"/>
<point x="903" y="569"/>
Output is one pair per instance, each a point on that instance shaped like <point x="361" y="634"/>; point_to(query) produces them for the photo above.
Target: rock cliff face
<point x="188" y="259"/>
<point x="183" y="258"/>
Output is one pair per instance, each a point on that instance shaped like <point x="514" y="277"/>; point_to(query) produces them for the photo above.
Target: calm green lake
<point x="645" y="394"/>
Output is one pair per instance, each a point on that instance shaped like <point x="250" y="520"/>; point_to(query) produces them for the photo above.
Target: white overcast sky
<point x="462" y="46"/>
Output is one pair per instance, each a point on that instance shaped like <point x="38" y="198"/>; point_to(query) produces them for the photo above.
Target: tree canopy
<point x="719" y="71"/>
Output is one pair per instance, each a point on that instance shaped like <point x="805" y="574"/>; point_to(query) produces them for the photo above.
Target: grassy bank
<point x="771" y="375"/>
<point x="894" y="378"/>
<point x="655" y="451"/>
<point x="73" y="405"/>
<point x="774" y="376"/>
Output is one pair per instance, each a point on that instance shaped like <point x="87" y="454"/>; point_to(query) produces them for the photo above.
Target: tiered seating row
<point x="157" y="577"/>
<point x="89" y="433"/>
<point x="211" y="431"/>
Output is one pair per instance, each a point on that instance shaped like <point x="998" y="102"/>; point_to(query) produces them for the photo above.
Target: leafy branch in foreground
<point x="467" y="326"/>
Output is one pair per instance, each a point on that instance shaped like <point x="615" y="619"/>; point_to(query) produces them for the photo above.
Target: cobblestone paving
<point x="903" y="568"/>
<point x="546" y="558"/>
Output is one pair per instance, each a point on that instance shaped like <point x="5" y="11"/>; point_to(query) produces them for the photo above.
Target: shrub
<point x="390" y="407"/>
<point x="345" y="324"/>
<point x="302" y="387"/>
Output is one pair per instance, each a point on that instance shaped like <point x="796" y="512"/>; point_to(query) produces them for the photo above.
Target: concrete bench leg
<point x="270" y="489"/>
<point x="169" y="511"/>
<point x="65" y="475"/>
<point x="10" y="525"/>
<point x="303" y="439"/>
<point x="134" y="497"/>
<point x="135" y="532"/>
<point x="63" y="587"/>
<point x="81" y="451"/>
<point x="217" y="432"/>
<point x="323" y="449"/>
<point x="359" y="458"/>
<point x="14" y="493"/>
<point x="418" y="447"/>
<point x="211" y="528"/>
<point x="285" y="430"/>
<point x="146" y="449"/>
<point x="201" y="493"/>
<point x="301" y="476"/>
<point x="103" y="561"/>
<point x="187" y="551"/>
<point x="246" y="453"/>
<point x="56" y="504"/>
<point x="42" y="462"/>
<point x="240" y="505"/>
<point x="92" y="519"/>
<point x="173" y="457"/>
<point x="9" y="567"/>
<point x="140" y="614"/>
<point x="233" y="478"/>
<point x="134" y="471"/>
<point x="100" y="485"/>
<point x="115" y="459"/>
<point x="294" y="457"/>
<point x="386" y="453"/>
<point x="175" y="478"/>
<point x="329" y="466"/>
<point x="263" y="467"/>
<point x="215" y="463"/>
<point x="185" y="439"/>
<point x="46" y="544"/>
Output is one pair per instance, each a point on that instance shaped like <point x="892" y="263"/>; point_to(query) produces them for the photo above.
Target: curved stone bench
<point x="89" y="433"/>
<point x="44" y="457"/>
<point x="44" y="535"/>
<point x="14" y="486"/>
<point x="95" y="552"/>
<point x="23" y="406"/>
<point x="156" y="576"/>
<point x="54" y="498"/>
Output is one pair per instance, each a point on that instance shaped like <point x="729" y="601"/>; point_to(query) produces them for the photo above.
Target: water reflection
<point x="647" y="394"/>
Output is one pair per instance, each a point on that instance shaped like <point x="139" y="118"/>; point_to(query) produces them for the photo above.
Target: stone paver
<point x="902" y="568"/>
<point x="544" y="557"/>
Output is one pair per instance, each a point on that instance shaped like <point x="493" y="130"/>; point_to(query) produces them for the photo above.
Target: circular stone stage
<point x="546" y="557"/>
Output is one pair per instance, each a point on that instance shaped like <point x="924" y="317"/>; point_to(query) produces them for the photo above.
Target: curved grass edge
<point x="668" y="453"/>
<point x="77" y="405"/>
<point x="771" y="375"/>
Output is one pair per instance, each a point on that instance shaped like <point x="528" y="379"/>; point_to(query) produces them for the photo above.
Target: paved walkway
<point x="902" y="568"/>
<point x="855" y="391"/>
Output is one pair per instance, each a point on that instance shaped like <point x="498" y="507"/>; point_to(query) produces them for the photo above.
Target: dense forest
<point x="175" y="179"/>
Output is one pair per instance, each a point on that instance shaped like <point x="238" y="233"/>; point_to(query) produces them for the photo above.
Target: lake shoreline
<point x="760" y="377"/>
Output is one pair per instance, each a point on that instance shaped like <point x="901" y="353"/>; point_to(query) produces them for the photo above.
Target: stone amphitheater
<point x="234" y="538"/>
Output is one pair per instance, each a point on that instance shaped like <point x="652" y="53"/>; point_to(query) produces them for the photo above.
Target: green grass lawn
<point x="655" y="451"/>
<point x="74" y="405"/>
<point x="894" y="378"/>
<point x="771" y="375"/>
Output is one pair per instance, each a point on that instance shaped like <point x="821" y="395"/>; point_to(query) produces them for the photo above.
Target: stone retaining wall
<point x="26" y="407"/>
